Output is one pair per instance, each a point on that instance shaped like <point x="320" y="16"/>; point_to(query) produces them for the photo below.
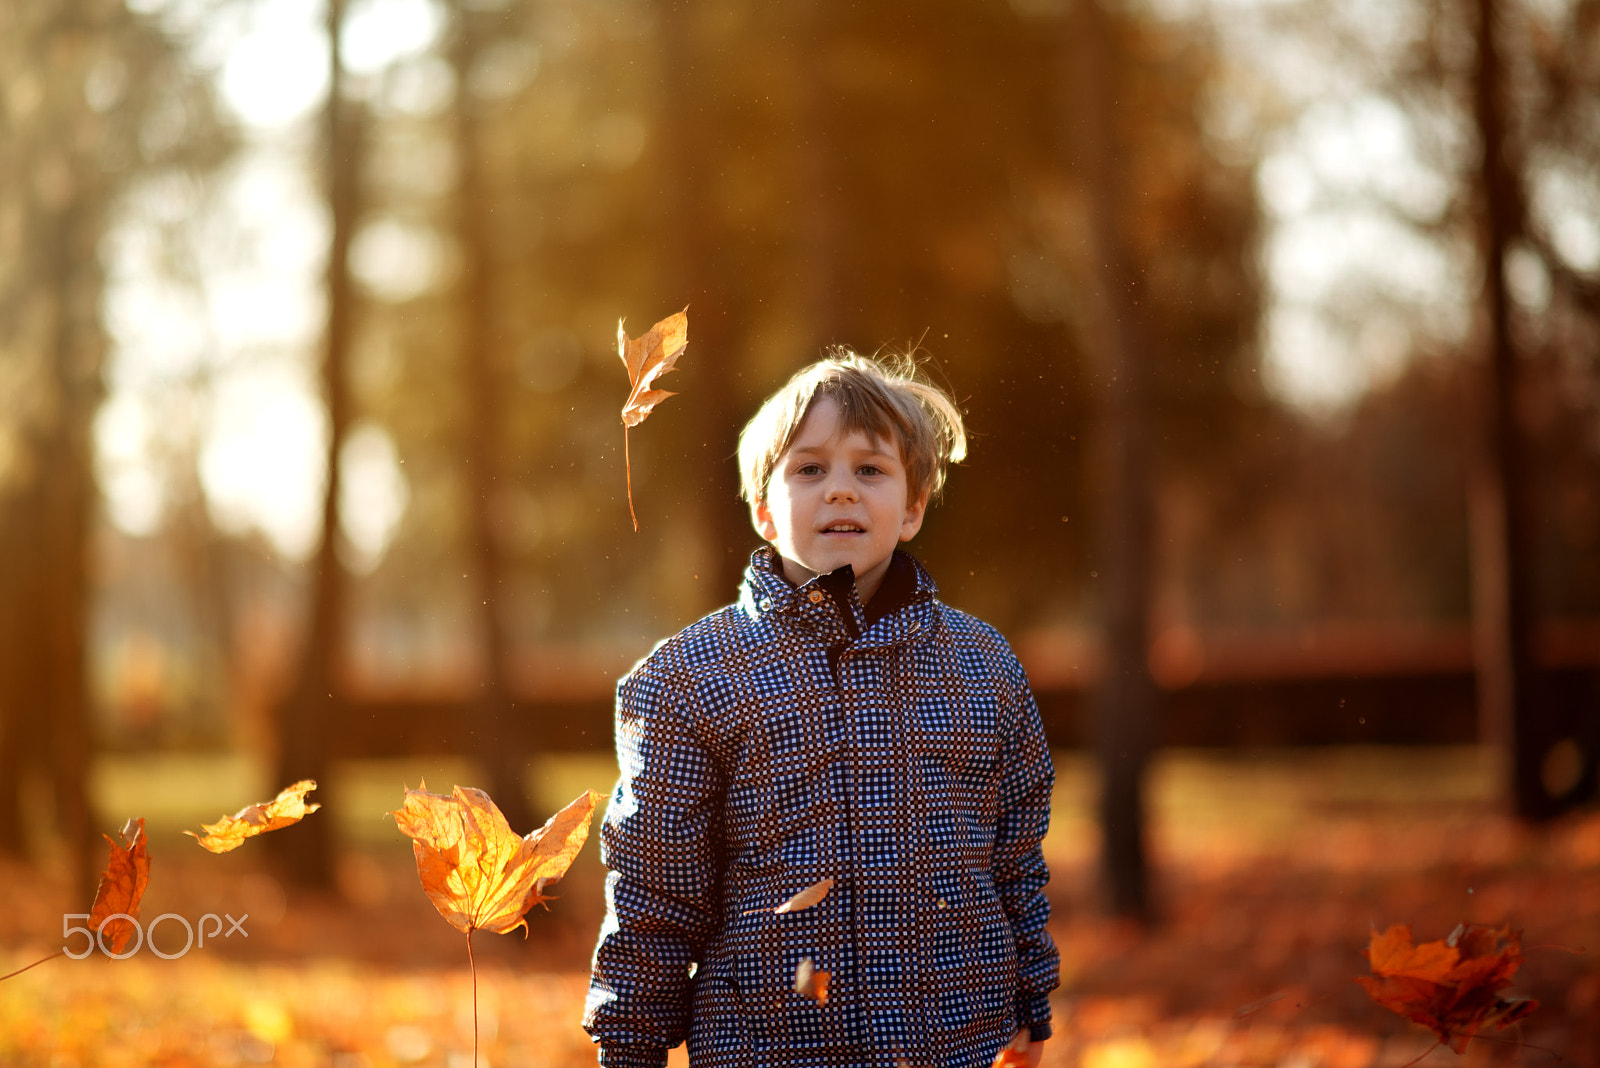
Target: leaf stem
<point x="472" y="965"/>
<point x="35" y="964"/>
<point x="1423" y="1054"/>
<point x="627" y="463"/>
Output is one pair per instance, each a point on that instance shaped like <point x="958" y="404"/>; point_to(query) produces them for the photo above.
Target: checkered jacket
<point x="774" y="743"/>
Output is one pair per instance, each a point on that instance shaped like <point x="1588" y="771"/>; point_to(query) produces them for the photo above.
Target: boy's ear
<point x="912" y="522"/>
<point x="761" y="517"/>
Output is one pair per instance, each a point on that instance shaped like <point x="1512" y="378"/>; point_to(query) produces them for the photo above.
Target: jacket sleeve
<point x="659" y="840"/>
<point x="1018" y="865"/>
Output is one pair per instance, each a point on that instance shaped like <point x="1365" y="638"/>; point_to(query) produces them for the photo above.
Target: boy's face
<point x="838" y="498"/>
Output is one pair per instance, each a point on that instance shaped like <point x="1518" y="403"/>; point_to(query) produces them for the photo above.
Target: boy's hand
<point x="1019" y="1052"/>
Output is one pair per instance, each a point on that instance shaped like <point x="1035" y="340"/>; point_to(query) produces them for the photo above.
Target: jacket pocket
<point x="765" y="947"/>
<point x="972" y="953"/>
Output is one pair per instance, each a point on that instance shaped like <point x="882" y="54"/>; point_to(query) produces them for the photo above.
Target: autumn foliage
<point x="1452" y="986"/>
<point x="477" y="871"/>
<point x="289" y="807"/>
<point x="647" y="358"/>
<point x="121" y="886"/>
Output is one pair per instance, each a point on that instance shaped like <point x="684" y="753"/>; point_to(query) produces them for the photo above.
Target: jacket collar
<point x="767" y="590"/>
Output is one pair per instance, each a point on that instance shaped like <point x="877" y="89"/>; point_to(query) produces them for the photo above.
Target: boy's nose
<point x="840" y="490"/>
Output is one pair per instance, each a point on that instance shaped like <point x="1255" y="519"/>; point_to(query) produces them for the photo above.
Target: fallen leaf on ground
<point x="288" y="808"/>
<point x="647" y="358"/>
<point x="475" y="869"/>
<point x="1451" y="986"/>
<point x="121" y="886"/>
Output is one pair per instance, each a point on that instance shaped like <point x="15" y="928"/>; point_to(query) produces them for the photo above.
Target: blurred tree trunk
<point x="1126" y="705"/>
<point x="821" y="252"/>
<point x="496" y="738"/>
<point x="314" y="704"/>
<point x="44" y="724"/>
<point x="51" y="331"/>
<point x="1503" y="613"/>
<point x="68" y="492"/>
<point x="23" y="735"/>
<point x="81" y="80"/>
<point x="13" y="698"/>
<point x="691" y="205"/>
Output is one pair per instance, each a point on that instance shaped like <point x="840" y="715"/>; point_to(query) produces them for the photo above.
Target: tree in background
<point x="97" y="101"/>
<point x="1493" y="96"/>
<point x="1518" y="713"/>
<point x="1126" y="708"/>
<point x="1502" y="588"/>
<point x="315" y="702"/>
<point x="482" y="362"/>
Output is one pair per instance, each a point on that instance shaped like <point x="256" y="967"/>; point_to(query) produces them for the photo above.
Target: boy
<point x="839" y="722"/>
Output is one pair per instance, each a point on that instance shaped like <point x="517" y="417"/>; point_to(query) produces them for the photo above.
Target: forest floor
<point x="1271" y="871"/>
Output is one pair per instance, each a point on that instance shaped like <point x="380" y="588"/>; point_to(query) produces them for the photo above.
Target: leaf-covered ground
<point x="1272" y="871"/>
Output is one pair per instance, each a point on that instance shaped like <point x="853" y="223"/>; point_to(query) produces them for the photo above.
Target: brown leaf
<point x="121" y="886"/>
<point x="807" y="897"/>
<point x="289" y="807"/>
<point x="1450" y="986"/>
<point x="811" y="981"/>
<point x="647" y="358"/>
<point x="475" y="869"/>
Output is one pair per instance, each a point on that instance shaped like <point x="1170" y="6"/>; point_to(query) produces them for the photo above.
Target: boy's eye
<point x="869" y="470"/>
<point x="808" y="469"/>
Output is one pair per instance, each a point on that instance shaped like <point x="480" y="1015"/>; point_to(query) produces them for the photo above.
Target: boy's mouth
<point x="843" y="528"/>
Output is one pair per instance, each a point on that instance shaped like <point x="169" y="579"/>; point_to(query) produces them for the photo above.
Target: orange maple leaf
<point x="121" y="886"/>
<point x="287" y="808"/>
<point x="112" y="917"/>
<point x="475" y="869"/>
<point x="811" y="981"/>
<point x="1450" y="986"/>
<point x="647" y="358"/>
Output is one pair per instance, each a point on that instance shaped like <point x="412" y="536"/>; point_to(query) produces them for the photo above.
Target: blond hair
<point x="884" y="399"/>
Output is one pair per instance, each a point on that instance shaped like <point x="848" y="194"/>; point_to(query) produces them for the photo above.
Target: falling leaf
<point x="121" y="886"/>
<point x="647" y="358"/>
<point x="117" y="895"/>
<point x="811" y="981"/>
<point x="1451" y="986"/>
<point x="476" y="870"/>
<point x="289" y="807"/>
<point x="1014" y="1054"/>
<point x="807" y="897"/>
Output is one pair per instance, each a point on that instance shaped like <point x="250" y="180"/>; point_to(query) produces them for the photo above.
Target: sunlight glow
<point x="1340" y="257"/>
<point x="233" y="333"/>
<point x="373" y="494"/>
<point x="134" y="496"/>
<point x="277" y="72"/>
<point x="378" y="32"/>
<point x="265" y="471"/>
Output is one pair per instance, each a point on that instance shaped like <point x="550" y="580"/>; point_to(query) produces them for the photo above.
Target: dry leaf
<point x="807" y="897"/>
<point x="121" y="886"/>
<point x="1451" y="986"/>
<point x="647" y="358"/>
<point x="1014" y="1054"/>
<point x="811" y="981"/>
<point x="476" y="870"/>
<point x="289" y="807"/>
